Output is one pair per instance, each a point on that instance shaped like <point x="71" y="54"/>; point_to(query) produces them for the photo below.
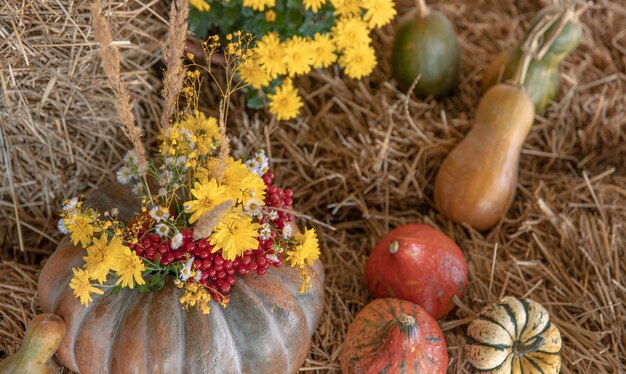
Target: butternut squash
<point x="476" y="182"/>
<point x="43" y="337"/>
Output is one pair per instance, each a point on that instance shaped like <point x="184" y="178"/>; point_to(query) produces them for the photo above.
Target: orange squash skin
<point x="266" y="327"/>
<point x="427" y="269"/>
<point x="476" y="182"/>
<point x="381" y="339"/>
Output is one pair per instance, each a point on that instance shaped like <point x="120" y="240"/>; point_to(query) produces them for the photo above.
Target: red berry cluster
<point x="217" y="273"/>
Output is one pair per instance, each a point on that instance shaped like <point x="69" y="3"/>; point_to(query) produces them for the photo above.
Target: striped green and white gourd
<point x="514" y="336"/>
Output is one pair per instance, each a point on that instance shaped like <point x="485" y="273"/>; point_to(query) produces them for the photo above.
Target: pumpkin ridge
<point x="119" y="318"/>
<point x="78" y="338"/>
<point x="499" y="347"/>
<point x="294" y="290"/>
<point x="272" y="323"/>
<point x="533" y="363"/>
<point x="526" y="310"/>
<point x="227" y="331"/>
<point x="511" y="314"/>
<point x="489" y="319"/>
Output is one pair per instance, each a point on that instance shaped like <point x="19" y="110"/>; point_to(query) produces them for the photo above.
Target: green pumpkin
<point x="427" y="46"/>
<point x="542" y="77"/>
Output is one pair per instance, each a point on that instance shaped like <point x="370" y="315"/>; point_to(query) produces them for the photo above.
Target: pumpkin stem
<point x="394" y="246"/>
<point x="521" y="349"/>
<point x="422" y="8"/>
<point x="538" y="42"/>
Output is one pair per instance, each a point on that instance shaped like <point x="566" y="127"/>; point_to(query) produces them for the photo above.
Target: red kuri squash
<point x="394" y="336"/>
<point x="419" y="264"/>
<point x="266" y="328"/>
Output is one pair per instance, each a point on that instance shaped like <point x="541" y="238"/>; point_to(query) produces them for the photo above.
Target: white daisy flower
<point x="62" y="227"/>
<point x="287" y="231"/>
<point x="70" y="204"/>
<point x="115" y="211"/>
<point x="198" y="276"/>
<point x="273" y="215"/>
<point x="124" y="175"/>
<point x="159" y="213"/>
<point x="162" y="230"/>
<point x="272" y="257"/>
<point x="130" y="158"/>
<point x="266" y="232"/>
<point x="186" y="272"/>
<point x="177" y="240"/>
<point x="253" y="207"/>
<point x="138" y="189"/>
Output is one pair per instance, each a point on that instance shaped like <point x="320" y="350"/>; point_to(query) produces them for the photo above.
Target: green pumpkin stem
<point x="532" y="48"/>
<point x="422" y="9"/>
<point x="521" y="349"/>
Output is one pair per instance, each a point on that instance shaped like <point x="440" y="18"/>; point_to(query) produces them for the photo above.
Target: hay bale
<point x="59" y="127"/>
<point x="363" y="158"/>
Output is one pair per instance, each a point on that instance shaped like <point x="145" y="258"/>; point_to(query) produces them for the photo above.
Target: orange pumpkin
<point x="266" y="328"/>
<point x="393" y="336"/>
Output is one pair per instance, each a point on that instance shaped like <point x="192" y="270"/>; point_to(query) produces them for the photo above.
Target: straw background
<point x="362" y="158"/>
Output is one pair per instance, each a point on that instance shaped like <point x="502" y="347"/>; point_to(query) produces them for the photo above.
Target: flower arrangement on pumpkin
<point x="294" y="38"/>
<point x="205" y="219"/>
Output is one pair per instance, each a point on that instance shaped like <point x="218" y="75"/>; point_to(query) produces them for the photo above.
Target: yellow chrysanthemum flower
<point x="286" y="102"/>
<point x="350" y="32"/>
<point x="81" y="230"/>
<point x="253" y="188"/>
<point x="82" y="287"/>
<point x="378" y="12"/>
<point x="358" y="61"/>
<point x="306" y="250"/>
<point x="201" y="5"/>
<point x="269" y="53"/>
<point x="323" y="51"/>
<point x="259" y="5"/>
<point x="252" y="73"/>
<point x="314" y="5"/>
<point x="129" y="269"/>
<point x="208" y="195"/>
<point x="344" y="8"/>
<point x="233" y="178"/>
<point x="298" y="56"/>
<point x="235" y="234"/>
<point x="101" y="257"/>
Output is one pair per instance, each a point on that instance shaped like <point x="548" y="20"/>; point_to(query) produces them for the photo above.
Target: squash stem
<point x="521" y="349"/>
<point x="422" y="8"/>
<point x="394" y="246"/>
<point x="530" y="46"/>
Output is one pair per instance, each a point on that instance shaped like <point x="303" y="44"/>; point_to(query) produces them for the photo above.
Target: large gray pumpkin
<point x="266" y="328"/>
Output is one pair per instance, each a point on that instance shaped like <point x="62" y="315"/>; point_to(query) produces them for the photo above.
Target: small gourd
<point x="43" y="337"/>
<point x="393" y="336"/>
<point x="420" y="264"/>
<point x="425" y="45"/>
<point x="542" y="78"/>
<point x="514" y="336"/>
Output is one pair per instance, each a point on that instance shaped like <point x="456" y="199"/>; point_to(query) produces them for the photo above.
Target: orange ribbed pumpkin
<point x="266" y="328"/>
<point x="394" y="336"/>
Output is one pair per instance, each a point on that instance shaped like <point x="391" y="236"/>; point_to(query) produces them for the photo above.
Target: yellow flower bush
<point x="293" y="38"/>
